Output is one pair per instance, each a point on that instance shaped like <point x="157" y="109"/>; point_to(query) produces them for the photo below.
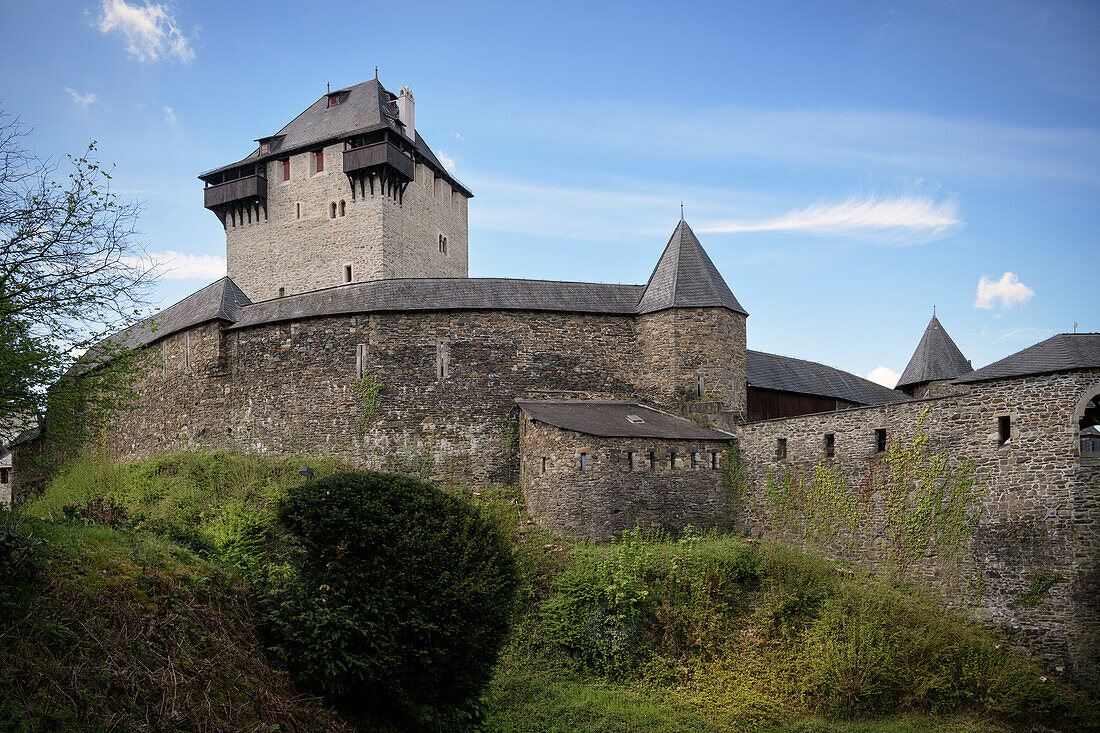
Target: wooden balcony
<point x="248" y="189"/>
<point x="372" y="156"/>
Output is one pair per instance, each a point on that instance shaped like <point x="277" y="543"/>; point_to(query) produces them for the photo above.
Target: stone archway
<point x="1087" y="419"/>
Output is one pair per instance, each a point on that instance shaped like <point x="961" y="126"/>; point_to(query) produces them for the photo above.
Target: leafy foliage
<point x="400" y="598"/>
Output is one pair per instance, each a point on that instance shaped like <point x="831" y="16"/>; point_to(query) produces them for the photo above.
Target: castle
<point x="348" y="325"/>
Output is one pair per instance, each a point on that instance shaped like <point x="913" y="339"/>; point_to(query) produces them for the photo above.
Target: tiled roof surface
<point x="218" y="301"/>
<point x="685" y="277"/>
<point x="1064" y="352"/>
<point x="787" y="374"/>
<point x="937" y="357"/>
<point x="611" y="420"/>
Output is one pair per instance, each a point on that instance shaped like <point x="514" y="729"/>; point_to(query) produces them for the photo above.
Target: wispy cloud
<point x="902" y="219"/>
<point x="81" y="99"/>
<point x="885" y="376"/>
<point x="151" y="31"/>
<point x="446" y="160"/>
<point x="1008" y="292"/>
<point x="1025" y="333"/>
<point x="169" y="116"/>
<point x="172" y="265"/>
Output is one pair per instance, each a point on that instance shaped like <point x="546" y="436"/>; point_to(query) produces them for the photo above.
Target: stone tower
<point x="348" y="191"/>
<point x="691" y="329"/>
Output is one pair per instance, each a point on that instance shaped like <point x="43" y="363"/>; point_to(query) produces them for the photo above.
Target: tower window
<point x="544" y="464"/>
<point x="298" y="209"/>
<point x="781" y="449"/>
<point x="319" y="160"/>
<point x="880" y="440"/>
<point x="630" y="460"/>
<point x="347" y="273"/>
<point x="442" y="244"/>
<point x="830" y="445"/>
<point x="442" y="360"/>
<point x="286" y="169"/>
<point x="282" y="292"/>
<point x="584" y="462"/>
<point x="1004" y="430"/>
<point x="332" y="210"/>
<point x="265" y="148"/>
<point x="343" y="208"/>
<point x="333" y="100"/>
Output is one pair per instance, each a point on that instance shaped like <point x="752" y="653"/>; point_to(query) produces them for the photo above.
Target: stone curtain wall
<point x="613" y="493"/>
<point x="377" y="236"/>
<point x="1030" y="563"/>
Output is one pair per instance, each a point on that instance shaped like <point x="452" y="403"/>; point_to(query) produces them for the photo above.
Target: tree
<point x="71" y="274"/>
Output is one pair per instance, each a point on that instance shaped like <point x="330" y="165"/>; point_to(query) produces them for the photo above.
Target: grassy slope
<point x="738" y="673"/>
<point x="128" y="632"/>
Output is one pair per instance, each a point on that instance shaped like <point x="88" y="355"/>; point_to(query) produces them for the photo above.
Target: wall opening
<point x="630" y="460"/>
<point x="442" y="360"/>
<point x="1004" y="430"/>
<point x="347" y="273"/>
<point x="1090" y="429"/>
<point x="672" y="460"/>
<point x="880" y="440"/>
<point x="343" y="208"/>
<point x="584" y="462"/>
<point x="715" y="461"/>
<point x="544" y="464"/>
<point x="830" y="445"/>
<point x="332" y="210"/>
<point x="694" y="459"/>
<point x="781" y="449"/>
<point x="282" y="292"/>
<point x="652" y="460"/>
<point x="286" y="169"/>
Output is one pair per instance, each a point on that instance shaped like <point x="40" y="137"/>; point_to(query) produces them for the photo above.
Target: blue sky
<point x="846" y="165"/>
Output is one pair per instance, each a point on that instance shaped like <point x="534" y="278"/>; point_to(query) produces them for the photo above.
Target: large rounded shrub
<point x="399" y="597"/>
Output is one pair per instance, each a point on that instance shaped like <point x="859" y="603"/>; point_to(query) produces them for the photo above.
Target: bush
<point x="400" y="596"/>
<point x="19" y="554"/>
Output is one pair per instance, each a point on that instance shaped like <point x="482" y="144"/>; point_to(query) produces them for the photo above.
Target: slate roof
<point x="787" y="374"/>
<point x="1064" y="352"/>
<point x="609" y="420"/>
<point x="937" y="357"/>
<point x="685" y="277"/>
<point x="416" y="294"/>
<point x="218" y="301"/>
<point x="363" y="107"/>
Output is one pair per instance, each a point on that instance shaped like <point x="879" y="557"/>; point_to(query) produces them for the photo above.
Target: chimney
<point x="406" y="112"/>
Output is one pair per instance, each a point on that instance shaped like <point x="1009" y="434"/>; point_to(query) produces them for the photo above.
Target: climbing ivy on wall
<point x="929" y="504"/>
<point x="368" y="388"/>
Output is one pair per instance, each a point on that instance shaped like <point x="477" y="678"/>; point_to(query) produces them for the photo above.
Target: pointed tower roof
<point x="686" y="278"/>
<point x="937" y="357"/>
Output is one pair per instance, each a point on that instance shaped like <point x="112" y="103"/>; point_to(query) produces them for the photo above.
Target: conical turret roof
<point x="686" y="278"/>
<point x="937" y="357"/>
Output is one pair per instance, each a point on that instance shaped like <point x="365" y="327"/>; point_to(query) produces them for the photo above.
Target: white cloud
<point x="896" y="219"/>
<point x="885" y="376"/>
<point x="172" y="265"/>
<point x="457" y="136"/>
<point x="446" y="160"/>
<point x="1025" y="333"/>
<point x="151" y="31"/>
<point x="169" y="116"/>
<point x="82" y="99"/>
<point x="1008" y="290"/>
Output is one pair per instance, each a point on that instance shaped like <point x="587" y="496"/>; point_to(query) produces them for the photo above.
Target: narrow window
<point x="544" y="464"/>
<point x="347" y="273"/>
<point x="700" y="386"/>
<point x="3" y="475"/>
<point x="630" y="460"/>
<point x="880" y="440"/>
<point x="298" y="210"/>
<point x="360" y="360"/>
<point x="282" y="292"/>
<point x="672" y="460"/>
<point x="319" y="158"/>
<point x="652" y="460"/>
<point x="444" y="245"/>
<point x="286" y="169"/>
<point x="694" y="459"/>
<point x="584" y="462"/>
<point x="781" y="449"/>
<point x="830" y="445"/>
<point x="442" y="360"/>
<point x="715" y="461"/>
<point x="1004" y="430"/>
<point x="343" y="208"/>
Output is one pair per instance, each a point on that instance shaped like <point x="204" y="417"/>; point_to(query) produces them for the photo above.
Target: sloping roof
<point x="937" y="357"/>
<point x="363" y="107"/>
<point x="1064" y="352"/>
<point x="417" y="294"/>
<point x="685" y="277"/>
<point x="219" y="301"/>
<point x="784" y="373"/>
<point x="610" y="420"/>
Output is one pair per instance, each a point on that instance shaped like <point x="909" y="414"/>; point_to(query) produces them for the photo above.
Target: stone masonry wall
<point x="1040" y="508"/>
<point x="300" y="247"/>
<point x="618" y="488"/>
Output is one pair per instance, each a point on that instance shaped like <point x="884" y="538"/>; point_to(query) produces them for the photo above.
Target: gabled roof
<point x="786" y="374"/>
<point x="460" y="293"/>
<point x="617" y="420"/>
<point x="363" y="107"/>
<point x="685" y="277"/>
<point x="937" y="357"/>
<point x="1064" y="352"/>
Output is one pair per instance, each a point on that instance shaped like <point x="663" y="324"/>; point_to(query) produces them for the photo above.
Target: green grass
<point x="705" y="633"/>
